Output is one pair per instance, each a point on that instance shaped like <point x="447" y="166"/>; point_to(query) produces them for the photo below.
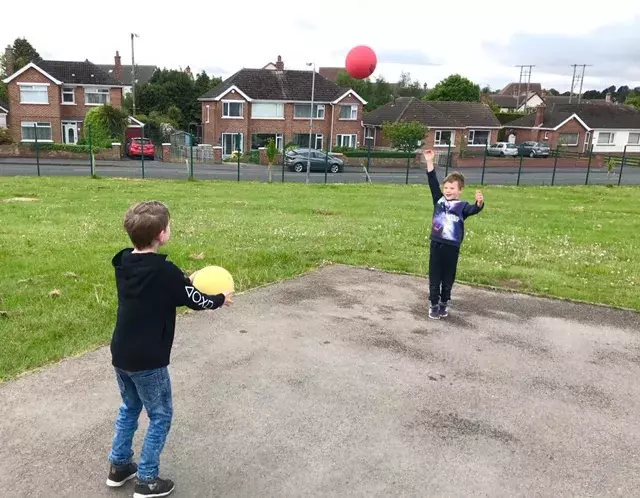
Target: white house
<point x="511" y="103"/>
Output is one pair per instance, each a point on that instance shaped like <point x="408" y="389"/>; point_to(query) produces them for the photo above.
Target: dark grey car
<point x="296" y="160"/>
<point x="534" y="149"/>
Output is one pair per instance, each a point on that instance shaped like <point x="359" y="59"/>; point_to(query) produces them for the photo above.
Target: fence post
<point x="326" y="163"/>
<point x="484" y="164"/>
<point x="519" y="170"/>
<point x="142" y="149"/>
<point x="408" y="163"/>
<point x="238" y="149"/>
<point x="283" y="156"/>
<point x="90" y="152"/>
<point x="368" y="155"/>
<point x="35" y="130"/>
<point x="190" y="156"/>
<point x="586" y="180"/>
<point x="555" y="165"/>
<point x="446" y="170"/>
<point x="624" y="156"/>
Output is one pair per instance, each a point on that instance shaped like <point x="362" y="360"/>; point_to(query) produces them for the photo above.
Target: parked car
<point x="502" y="149"/>
<point x="534" y="149"/>
<point x="296" y="160"/>
<point x="136" y="148"/>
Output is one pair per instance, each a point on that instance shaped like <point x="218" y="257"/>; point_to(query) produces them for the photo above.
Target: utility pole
<point x="577" y="77"/>
<point x="525" y="73"/>
<point x="313" y="87"/>
<point x="133" y="73"/>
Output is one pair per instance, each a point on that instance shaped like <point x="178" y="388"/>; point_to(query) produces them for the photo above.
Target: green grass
<point x="569" y="242"/>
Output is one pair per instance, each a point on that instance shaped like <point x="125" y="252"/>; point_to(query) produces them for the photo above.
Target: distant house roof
<point x="143" y="73"/>
<point x="512" y="89"/>
<point x="436" y="114"/>
<point x="4" y="107"/>
<point x="269" y="84"/>
<point x="564" y="100"/>
<point x="331" y="73"/>
<point x="595" y="116"/>
<point x="70" y="72"/>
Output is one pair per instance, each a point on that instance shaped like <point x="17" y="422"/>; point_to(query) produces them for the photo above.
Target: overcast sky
<point x="428" y="40"/>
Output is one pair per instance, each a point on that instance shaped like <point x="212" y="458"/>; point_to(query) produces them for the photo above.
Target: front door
<point x="230" y="143"/>
<point x="70" y="132"/>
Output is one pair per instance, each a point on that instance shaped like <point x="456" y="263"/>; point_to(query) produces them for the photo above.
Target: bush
<point x="380" y="154"/>
<point x="104" y="123"/>
<point x="5" y="137"/>
<point x="76" y="149"/>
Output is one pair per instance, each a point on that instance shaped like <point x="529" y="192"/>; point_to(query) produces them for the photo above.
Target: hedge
<point x="76" y="149"/>
<point x="380" y="154"/>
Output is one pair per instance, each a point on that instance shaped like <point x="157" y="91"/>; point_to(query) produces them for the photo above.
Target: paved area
<point x="566" y="173"/>
<point x="335" y="384"/>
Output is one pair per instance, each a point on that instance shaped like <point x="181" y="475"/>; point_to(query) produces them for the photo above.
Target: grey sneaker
<point x="152" y="489"/>
<point x="444" y="310"/>
<point x="434" y="312"/>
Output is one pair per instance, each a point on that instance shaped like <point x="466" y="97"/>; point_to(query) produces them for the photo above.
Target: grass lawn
<point x="570" y="242"/>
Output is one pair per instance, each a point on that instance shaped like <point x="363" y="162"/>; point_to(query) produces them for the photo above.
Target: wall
<point x="621" y="139"/>
<point x="15" y="150"/>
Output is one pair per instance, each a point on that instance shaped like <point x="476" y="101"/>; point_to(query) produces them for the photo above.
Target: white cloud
<point x="462" y="38"/>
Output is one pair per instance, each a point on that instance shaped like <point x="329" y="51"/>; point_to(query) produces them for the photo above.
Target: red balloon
<point x="361" y="62"/>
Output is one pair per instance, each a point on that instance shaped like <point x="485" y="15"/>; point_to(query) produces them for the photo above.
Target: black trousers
<point x="443" y="263"/>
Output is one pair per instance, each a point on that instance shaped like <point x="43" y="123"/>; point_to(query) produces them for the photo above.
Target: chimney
<point x="8" y="55"/>
<point x="188" y="70"/>
<point x="118" y="66"/>
<point x="608" y="97"/>
<point x="539" y="115"/>
<point x="279" y="64"/>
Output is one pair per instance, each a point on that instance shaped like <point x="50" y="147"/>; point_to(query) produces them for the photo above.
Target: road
<point x="565" y="174"/>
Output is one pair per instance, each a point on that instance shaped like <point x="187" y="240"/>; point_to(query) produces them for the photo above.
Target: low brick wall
<point x="112" y="154"/>
<point x="543" y="162"/>
<point x="416" y="161"/>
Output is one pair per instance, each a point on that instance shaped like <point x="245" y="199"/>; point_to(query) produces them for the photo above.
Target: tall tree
<point x="553" y="92"/>
<point x="455" y="88"/>
<point x="405" y="136"/>
<point x="23" y="53"/>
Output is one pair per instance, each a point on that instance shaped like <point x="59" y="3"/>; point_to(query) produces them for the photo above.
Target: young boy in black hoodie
<point x="150" y="288"/>
<point x="447" y="234"/>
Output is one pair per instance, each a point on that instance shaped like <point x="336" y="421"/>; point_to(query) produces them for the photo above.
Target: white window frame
<point x="38" y="124"/>
<point x="279" y="110"/>
<point x="637" y="135"/>
<point x="226" y="108"/>
<point x="320" y="111"/>
<point x="31" y="87"/>
<point x="208" y="109"/>
<point x="68" y="90"/>
<point x="546" y="135"/>
<point x="233" y="143"/>
<point x="611" y="138"/>
<point x="437" y="141"/>
<point x="569" y="145"/>
<point x="353" y="115"/>
<point x="472" y="135"/>
<point x="321" y="138"/>
<point x="352" y="138"/>
<point x="279" y="141"/>
<point x="96" y="91"/>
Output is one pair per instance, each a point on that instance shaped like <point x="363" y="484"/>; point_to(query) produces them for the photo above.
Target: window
<point x="346" y="141"/>
<point x="32" y="130"/>
<point x="570" y="139"/>
<point x="207" y="114"/>
<point x="68" y="96"/>
<point x="302" y="140"/>
<point x="232" y="109"/>
<point x="96" y="96"/>
<point x="232" y="142"/>
<point x="301" y="111"/>
<point x="349" y="112"/>
<point x="34" y="94"/>
<point x="606" y="138"/>
<point x="477" y="137"/>
<point x="319" y="141"/>
<point x="260" y="140"/>
<point x="546" y="135"/>
<point x="634" y="139"/>
<point x="267" y="111"/>
<point x="444" y="137"/>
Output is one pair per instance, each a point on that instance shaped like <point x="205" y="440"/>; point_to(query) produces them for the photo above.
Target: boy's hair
<point x="455" y="177"/>
<point x="144" y="221"/>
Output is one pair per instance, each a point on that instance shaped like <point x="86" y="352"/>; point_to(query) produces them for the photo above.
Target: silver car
<point x="502" y="149"/>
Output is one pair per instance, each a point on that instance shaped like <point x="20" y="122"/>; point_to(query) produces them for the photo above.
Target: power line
<point x="525" y="72"/>
<point x="577" y="78"/>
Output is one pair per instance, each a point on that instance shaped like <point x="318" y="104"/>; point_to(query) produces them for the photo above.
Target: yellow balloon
<point x="213" y="280"/>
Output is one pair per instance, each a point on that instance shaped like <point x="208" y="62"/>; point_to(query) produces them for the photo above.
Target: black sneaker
<point x="434" y="312"/>
<point x="157" y="487"/>
<point x="444" y="310"/>
<point x="118" y="476"/>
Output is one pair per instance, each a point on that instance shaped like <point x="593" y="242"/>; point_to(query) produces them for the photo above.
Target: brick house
<point x="609" y="128"/>
<point x="124" y="73"/>
<point x="52" y="98"/>
<point x="448" y="122"/>
<point x="257" y="104"/>
<point x="4" y="110"/>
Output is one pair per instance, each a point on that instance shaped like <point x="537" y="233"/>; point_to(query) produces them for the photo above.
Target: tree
<point x="106" y="124"/>
<point x="272" y="152"/>
<point x="405" y="136"/>
<point x="553" y="92"/>
<point x="456" y="88"/>
<point x="634" y="101"/>
<point x="23" y="53"/>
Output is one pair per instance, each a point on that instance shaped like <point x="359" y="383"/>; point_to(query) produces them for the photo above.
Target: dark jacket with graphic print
<point x="150" y="288"/>
<point x="448" y="216"/>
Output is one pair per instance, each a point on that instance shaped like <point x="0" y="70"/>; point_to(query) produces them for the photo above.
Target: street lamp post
<point x="133" y="73"/>
<point x="313" y="87"/>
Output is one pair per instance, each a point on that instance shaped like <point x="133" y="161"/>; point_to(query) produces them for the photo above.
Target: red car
<point x="138" y="148"/>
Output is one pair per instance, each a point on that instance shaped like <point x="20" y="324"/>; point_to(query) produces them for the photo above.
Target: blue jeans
<point x="151" y="389"/>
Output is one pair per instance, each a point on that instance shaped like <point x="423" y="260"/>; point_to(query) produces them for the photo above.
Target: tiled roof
<point x="267" y="84"/>
<point x="331" y="73"/>
<point x="564" y="100"/>
<point x="613" y="116"/>
<point x="512" y="88"/>
<point x="4" y="105"/>
<point x="507" y="101"/>
<point x="436" y="114"/>
<point x="77" y="73"/>
<point x="143" y="73"/>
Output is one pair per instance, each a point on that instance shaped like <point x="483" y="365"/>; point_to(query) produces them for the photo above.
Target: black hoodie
<point x="150" y="288"/>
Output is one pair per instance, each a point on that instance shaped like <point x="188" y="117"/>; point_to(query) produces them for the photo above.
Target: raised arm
<point x="434" y="185"/>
